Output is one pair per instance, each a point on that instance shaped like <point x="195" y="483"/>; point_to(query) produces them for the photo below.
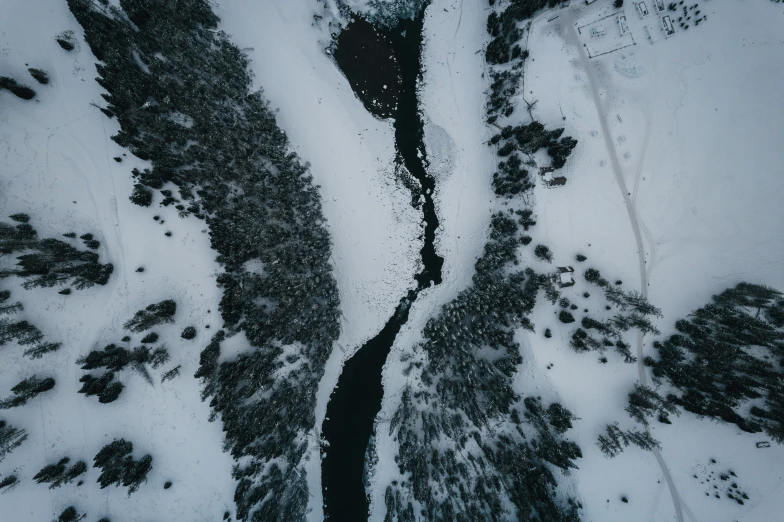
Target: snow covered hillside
<point x="57" y="165"/>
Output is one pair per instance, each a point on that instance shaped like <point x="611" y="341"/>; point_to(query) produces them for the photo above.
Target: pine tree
<point x="10" y="438"/>
<point x="70" y="514"/>
<point x="22" y="332"/>
<point x="26" y="390"/>
<point x="39" y="350"/>
<point x="8" y="482"/>
<point x="153" y="315"/>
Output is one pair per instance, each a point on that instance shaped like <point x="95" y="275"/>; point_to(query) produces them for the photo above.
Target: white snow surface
<point x="695" y="122"/>
<point x="452" y="97"/>
<point x="56" y="165"/>
<point x="374" y="228"/>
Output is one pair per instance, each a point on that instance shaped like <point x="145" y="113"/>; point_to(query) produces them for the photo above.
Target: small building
<point x="642" y="8"/>
<point x="589" y="2"/>
<point x="557" y="181"/>
<point x="565" y="276"/>
<point x="763" y="444"/>
<point x="551" y="181"/>
<point x="598" y="31"/>
<point x="659" y="5"/>
<point x="623" y="24"/>
<point x="667" y="26"/>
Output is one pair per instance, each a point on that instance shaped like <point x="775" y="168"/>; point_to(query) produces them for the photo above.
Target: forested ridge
<point x="183" y="97"/>
<point x="471" y="446"/>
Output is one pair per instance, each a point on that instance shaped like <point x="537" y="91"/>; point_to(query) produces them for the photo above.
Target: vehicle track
<point x="573" y="40"/>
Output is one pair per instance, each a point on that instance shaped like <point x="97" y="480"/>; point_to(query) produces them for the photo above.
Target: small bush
<point x="20" y="217"/>
<point x="188" y="333"/>
<point x="566" y="317"/>
<point x="167" y="485"/>
<point x="543" y="252"/>
<point x="150" y="338"/>
<point x="66" y="40"/>
<point x="141" y="196"/>
<point x="548" y="333"/>
<point x="580" y="258"/>
<point x="65" y="291"/>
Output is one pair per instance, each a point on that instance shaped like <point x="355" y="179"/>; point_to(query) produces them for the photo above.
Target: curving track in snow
<point x="572" y="39"/>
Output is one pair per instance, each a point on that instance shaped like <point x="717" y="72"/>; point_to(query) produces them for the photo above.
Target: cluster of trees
<point x="469" y="443"/>
<point x="504" y="28"/>
<point x="50" y="262"/>
<point x="21" y="331"/>
<point x="189" y="108"/>
<point x="113" y="358"/>
<point x="8" y="482"/>
<point x="633" y="311"/>
<point x="152" y="315"/>
<point x="27" y="389"/>
<point x="60" y="472"/>
<point x="118" y="466"/>
<point x="17" y="89"/>
<point x="614" y="440"/>
<point x="511" y="179"/>
<point x="70" y="514"/>
<point x="727" y="356"/>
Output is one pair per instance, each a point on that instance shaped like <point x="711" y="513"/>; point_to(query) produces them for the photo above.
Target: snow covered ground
<point x="375" y="230"/>
<point x="452" y="102"/>
<point x="693" y="121"/>
<point x="57" y="165"/>
<point x="694" y="124"/>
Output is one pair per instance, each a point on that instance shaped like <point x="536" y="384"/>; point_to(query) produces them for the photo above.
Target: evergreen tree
<point x="10" y="438"/>
<point x="22" y="332"/>
<point x="60" y="473"/>
<point x="722" y="357"/>
<point x="70" y="514"/>
<point x="153" y="315"/>
<point x="8" y="482"/>
<point x="118" y="466"/>
<point x="26" y="390"/>
<point x="40" y="349"/>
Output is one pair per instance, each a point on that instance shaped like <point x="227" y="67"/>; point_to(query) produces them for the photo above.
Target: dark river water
<point x="383" y="66"/>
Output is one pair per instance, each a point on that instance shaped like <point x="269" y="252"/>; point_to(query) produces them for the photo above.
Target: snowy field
<point x="57" y="165"/>
<point x="675" y="187"/>
<point x="694" y="126"/>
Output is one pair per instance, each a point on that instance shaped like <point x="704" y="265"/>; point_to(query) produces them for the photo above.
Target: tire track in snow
<point x="572" y="38"/>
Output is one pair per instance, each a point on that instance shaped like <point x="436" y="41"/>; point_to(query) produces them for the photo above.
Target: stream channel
<point x="383" y="66"/>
